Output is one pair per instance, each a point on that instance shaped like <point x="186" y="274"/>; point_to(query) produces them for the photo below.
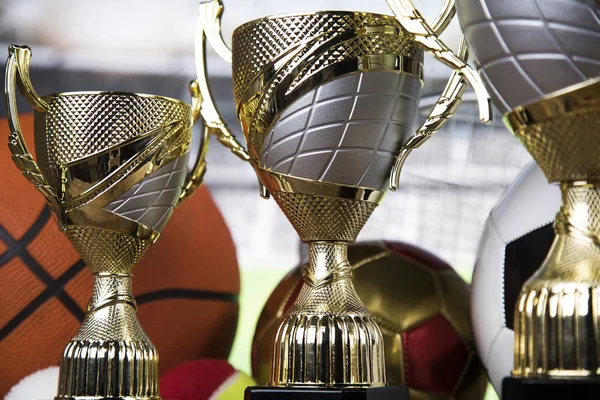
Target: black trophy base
<point x="298" y="393"/>
<point x="556" y="388"/>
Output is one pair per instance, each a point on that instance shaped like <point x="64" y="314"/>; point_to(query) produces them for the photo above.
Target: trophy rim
<point x="542" y="109"/>
<point x="53" y="96"/>
<point x="308" y="13"/>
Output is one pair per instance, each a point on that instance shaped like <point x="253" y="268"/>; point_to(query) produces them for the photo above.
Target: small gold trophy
<point x="541" y="63"/>
<point x="328" y="102"/>
<point x="112" y="166"/>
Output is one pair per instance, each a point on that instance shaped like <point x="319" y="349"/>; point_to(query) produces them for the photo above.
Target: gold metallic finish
<point x="324" y="218"/>
<point x="445" y="107"/>
<point x="286" y="183"/>
<point x="328" y="307"/>
<point x="280" y="58"/>
<point x="328" y="338"/>
<point x="561" y="132"/>
<point x="412" y="21"/>
<point x="208" y="28"/>
<point x="112" y="166"/>
<point x="400" y="295"/>
<point x="557" y="329"/>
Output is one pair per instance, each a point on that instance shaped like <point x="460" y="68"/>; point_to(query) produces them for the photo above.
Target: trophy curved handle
<point x="209" y="26"/>
<point x="445" y="107"/>
<point x="450" y="99"/>
<point x="194" y="179"/>
<point x="17" y="75"/>
<point x="427" y="36"/>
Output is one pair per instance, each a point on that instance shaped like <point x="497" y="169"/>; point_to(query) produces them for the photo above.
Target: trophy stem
<point x="557" y="319"/>
<point x="328" y="338"/>
<point x="110" y="356"/>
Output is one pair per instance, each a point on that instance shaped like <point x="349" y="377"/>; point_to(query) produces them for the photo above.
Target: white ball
<point x="515" y="241"/>
<point x="41" y="385"/>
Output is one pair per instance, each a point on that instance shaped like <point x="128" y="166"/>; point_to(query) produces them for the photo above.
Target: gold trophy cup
<point x="112" y="166"/>
<point x="554" y="109"/>
<point x="328" y="102"/>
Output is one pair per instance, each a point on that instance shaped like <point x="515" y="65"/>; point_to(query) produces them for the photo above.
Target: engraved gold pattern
<point x="328" y="339"/>
<point x="324" y="218"/>
<point x="557" y="328"/>
<point x="82" y="125"/>
<point x="561" y="133"/>
<point x="277" y="59"/>
<point x="112" y="169"/>
<point x="328" y="307"/>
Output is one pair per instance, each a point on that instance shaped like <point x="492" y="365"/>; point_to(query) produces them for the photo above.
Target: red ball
<point x="422" y="307"/>
<point x="45" y="287"/>
<point x="203" y="380"/>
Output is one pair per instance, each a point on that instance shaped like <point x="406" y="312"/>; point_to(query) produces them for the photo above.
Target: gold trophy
<point x="112" y="166"/>
<point x="543" y="74"/>
<point x="327" y="102"/>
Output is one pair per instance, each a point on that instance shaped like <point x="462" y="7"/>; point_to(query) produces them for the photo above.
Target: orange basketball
<point x="187" y="285"/>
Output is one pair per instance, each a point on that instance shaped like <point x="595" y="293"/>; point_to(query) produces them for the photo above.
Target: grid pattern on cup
<point x="530" y="48"/>
<point x="346" y="131"/>
<point x="80" y="125"/>
<point x="151" y="201"/>
<point x="258" y="43"/>
<point x="324" y="218"/>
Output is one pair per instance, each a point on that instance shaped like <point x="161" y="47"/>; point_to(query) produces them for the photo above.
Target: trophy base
<point x="550" y="388"/>
<point x="314" y="393"/>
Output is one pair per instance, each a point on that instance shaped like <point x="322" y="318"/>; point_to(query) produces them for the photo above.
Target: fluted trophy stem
<point x="557" y="319"/>
<point x="112" y="166"/>
<point x="110" y="356"/>
<point x="328" y="338"/>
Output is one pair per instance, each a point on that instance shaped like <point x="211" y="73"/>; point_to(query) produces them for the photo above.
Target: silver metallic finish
<point x="151" y="201"/>
<point x="346" y="131"/>
<point x="528" y="49"/>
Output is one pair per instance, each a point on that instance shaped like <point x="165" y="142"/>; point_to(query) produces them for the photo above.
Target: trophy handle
<point x="194" y="179"/>
<point x="17" y="75"/>
<point x="450" y="99"/>
<point x="428" y="36"/>
<point x="209" y="26"/>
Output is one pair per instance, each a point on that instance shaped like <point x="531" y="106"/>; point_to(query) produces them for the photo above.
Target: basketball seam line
<point x="194" y="294"/>
<point x="50" y="291"/>
<point x="18" y="248"/>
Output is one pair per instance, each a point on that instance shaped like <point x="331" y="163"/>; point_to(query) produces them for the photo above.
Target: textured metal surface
<point x="556" y="320"/>
<point x="278" y="59"/>
<point x="324" y="218"/>
<point x="346" y="131"/>
<point x="112" y="166"/>
<point x="561" y="133"/>
<point x="98" y="362"/>
<point x="402" y="294"/>
<point x="529" y="49"/>
<point x="428" y="36"/>
<point x="557" y="314"/>
<point x="151" y="201"/>
<point x="328" y="337"/>
<point x="77" y="126"/>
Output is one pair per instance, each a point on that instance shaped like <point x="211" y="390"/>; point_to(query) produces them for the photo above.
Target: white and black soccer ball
<point x="516" y="238"/>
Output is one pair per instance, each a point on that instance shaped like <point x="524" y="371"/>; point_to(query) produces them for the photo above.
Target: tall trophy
<point x="540" y="60"/>
<point x="327" y="102"/>
<point x="112" y="166"/>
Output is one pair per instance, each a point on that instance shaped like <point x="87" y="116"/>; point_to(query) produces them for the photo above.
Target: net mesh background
<point x="449" y="186"/>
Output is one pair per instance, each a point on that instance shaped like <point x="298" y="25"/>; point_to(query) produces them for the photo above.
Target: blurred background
<point x="449" y="185"/>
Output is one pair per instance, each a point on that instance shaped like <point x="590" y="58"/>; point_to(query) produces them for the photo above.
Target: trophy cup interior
<point x="326" y="100"/>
